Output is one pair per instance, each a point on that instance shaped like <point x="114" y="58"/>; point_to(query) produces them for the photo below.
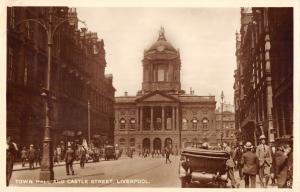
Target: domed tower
<point x="161" y="67"/>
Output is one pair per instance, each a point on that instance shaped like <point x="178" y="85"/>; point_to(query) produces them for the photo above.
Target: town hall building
<point x="162" y="114"/>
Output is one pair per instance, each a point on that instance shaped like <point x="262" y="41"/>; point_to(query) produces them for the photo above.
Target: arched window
<point x="122" y="124"/>
<point x="132" y="124"/>
<point x="195" y="123"/>
<point x="205" y="123"/>
<point x="132" y="142"/>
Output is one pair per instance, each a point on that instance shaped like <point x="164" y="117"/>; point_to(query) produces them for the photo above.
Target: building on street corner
<point x="162" y="114"/>
<point x="77" y="77"/>
<point x="264" y="74"/>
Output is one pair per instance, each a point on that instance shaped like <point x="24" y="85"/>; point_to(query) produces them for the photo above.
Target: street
<point x="125" y="172"/>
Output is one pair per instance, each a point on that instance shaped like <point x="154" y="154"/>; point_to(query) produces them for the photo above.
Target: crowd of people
<point x="33" y="156"/>
<point x="273" y="164"/>
<point x="157" y="153"/>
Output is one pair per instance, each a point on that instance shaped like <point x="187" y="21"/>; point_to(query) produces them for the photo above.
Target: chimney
<point x="126" y="93"/>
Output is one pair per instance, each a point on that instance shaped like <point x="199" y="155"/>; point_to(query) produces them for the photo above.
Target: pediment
<point x="157" y="97"/>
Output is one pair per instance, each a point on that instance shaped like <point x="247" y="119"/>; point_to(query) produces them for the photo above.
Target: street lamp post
<point x="47" y="173"/>
<point x="222" y="97"/>
<point x="89" y="123"/>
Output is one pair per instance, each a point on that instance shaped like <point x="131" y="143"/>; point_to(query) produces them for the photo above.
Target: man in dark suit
<point x="168" y="152"/>
<point x="11" y="153"/>
<point x="250" y="165"/>
<point x="69" y="158"/>
<point x="282" y="165"/>
<point x="31" y="156"/>
<point x="238" y="158"/>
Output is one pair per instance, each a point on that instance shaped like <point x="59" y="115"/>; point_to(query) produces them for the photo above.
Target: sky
<point x="204" y="36"/>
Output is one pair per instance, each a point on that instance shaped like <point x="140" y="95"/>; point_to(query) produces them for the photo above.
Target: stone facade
<point x="161" y="114"/>
<point x="77" y="76"/>
<point x="229" y="131"/>
<point x="264" y="75"/>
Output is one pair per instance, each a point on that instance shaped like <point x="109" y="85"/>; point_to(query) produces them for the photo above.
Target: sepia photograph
<point x="149" y="97"/>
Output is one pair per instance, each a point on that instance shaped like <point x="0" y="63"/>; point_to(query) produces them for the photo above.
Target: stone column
<point x="282" y="118"/>
<point x="163" y="118"/>
<point x="177" y="118"/>
<point x="137" y="117"/>
<point x="141" y="118"/>
<point x="269" y="93"/>
<point x="173" y="118"/>
<point x="151" y="119"/>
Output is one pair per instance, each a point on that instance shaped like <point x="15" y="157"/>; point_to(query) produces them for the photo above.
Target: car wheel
<point x="184" y="183"/>
<point x="221" y="184"/>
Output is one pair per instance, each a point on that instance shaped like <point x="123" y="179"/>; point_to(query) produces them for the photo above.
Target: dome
<point x="161" y="44"/>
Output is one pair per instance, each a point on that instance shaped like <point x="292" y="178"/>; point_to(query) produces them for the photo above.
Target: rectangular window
<point x="122" y="127"/>
<point x="195" y="126"/>
<point x="161" y="74"/>
<point x="132" y="126"/>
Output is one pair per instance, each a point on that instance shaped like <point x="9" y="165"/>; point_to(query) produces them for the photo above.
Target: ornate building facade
<point x="264" y="75"/>
<point x="161" y="114"/>
<point x="77" y="77"/>
<point x="228" y="123"/>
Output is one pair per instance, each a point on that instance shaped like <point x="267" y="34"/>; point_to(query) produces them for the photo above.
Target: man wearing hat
<point x="230" y="165"/>
<point x="69" y="158"/>
<point x="264" y="155"/>
<point x="238" y="158"/>
<point x="283" y="165"/>
<point x="31" y="156"/>
<point x="250" y="165"/>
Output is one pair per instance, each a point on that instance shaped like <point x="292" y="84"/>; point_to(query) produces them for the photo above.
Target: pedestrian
<point x="238" y="159"/>
<point x="250" y="165"/>
<point x="229" y="164"/>
<point x="69" y="158"/>
<point x="24" y="154"/>
<point x="264" y="155"/>
<point x="11" y="154"/>
<point x="31" y="156"/>
<point x="168" y="155"/>
<point x="282" y="165"/>
<point x="58" y="149"/>
<point x="273" y="151"/>
<point x="82" y="156"/>
<point x="55" y="160"/>
<point x="117" y="152"/>
<point x="37" y="157"/>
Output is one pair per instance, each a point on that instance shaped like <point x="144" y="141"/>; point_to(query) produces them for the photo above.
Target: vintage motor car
<point x="203" y="166"/>
<point x="109" y="152"/>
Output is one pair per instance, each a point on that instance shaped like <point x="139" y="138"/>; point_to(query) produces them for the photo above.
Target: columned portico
<point x="153" y="117"/>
